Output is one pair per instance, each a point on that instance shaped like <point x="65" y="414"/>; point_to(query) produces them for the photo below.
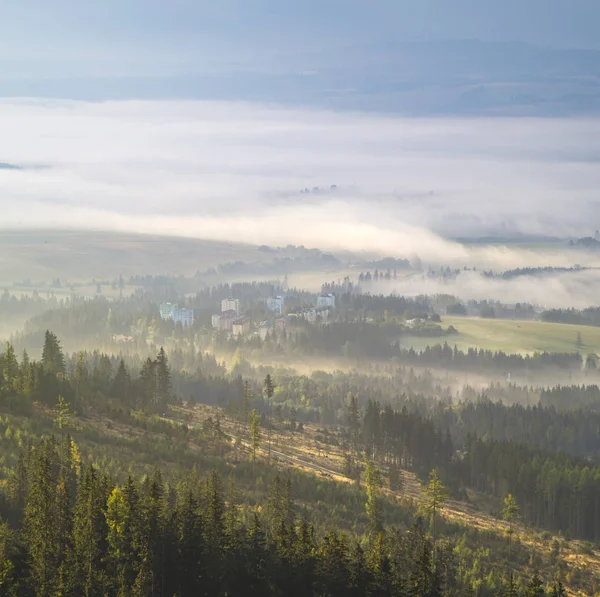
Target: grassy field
<point x="514" y="336"/>
<point x="42" y="255"/>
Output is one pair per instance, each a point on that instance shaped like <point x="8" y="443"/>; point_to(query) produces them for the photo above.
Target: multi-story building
<point x="241" y="326"/>
<point x="326" y="301"/>
<point x="166" y="310"/>
<point x="275" y="304"/>
<point x="183" y="316"/>
<point x="171" y="312"/>
<point x="226" y="320"/>
<point x="230" y="304"/>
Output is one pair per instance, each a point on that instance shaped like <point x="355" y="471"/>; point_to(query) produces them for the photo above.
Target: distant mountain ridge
<point x="466" y="78"/>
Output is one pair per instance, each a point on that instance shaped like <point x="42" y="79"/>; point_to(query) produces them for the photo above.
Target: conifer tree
<point x="40" y="523"/>
<point x="163" y="378"/>
<point x="121" y="384"/>
<point x="353" y="422"/>
<point x="153" y="509"/>
<point x="373" y="505"/>
<point x="395" y="478"/>
<point x="435" y="495"/>
<point x="18" y="486"/>
<point x="246" y="402"/>
<point x="269" y="392"/>
<point x="148" y="386"/>
<point x="9" y="381"/>
<point x="232" y="526"/>
<point x="53" y="360"/>
<point x="89" y="533"/>
<point x="510" y="511"/>
<point x="535" y="587"/>
<point x="255" y="433"/>
<point x="190" y="546"/>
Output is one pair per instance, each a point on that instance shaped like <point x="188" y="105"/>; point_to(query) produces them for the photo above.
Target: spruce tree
<point x="510" y="511"/>
<point x="255" y="433"/>
<point x="435" y="495"/>
<point x="41" y="531"/>
<point x="53" y="360"/>
<point x="163" y="378"/>
<point x="90" y="535"/>
<point x="535" y="587"/>
<point x="269" y="392"/>
<point x="353" y="422"/>
<point x="190" y="546"/>
<point x="373" y="505"/>
<point x="121" y="384"/>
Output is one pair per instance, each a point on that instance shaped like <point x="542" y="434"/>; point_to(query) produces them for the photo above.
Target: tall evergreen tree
<point x="90" y="536"/>
<point x="53" y="360"/>
<point x="373" y="505"/>
<point x="535" y="587"/>
<point x="269" y="393"/>
<point x="163" y="378"/>
<point x="40" y="523"/>
<point x="255" y="433"/>
<point x="435" y="495"/>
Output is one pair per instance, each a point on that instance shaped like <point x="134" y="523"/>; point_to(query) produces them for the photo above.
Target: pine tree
<point x="246" y="402"/>
<point x="81" y="378"/>
<point x="353" y="422"/>
<point x="26" y="375"/>
<point x="435" y="495"/>
<point x="63" y="419"/>
<point x="18" y="486"/>
<point x="232" y="526"/>
<point x="269" y="392"/>
<point x="40" y="522"/>
<point x="257" y="562"/>
<point x="535" y="587"/>
<point x="53" y="360"/>
<point x="147" y="385"/>
<point x="190" y="546"/>
<point x="373" y="505"/>
<point x="153" y="509"/>
<point x="510" y="512"/>
<point x="9" y="366"/>
<point x="163" y="378"/>
<point x="395" y="478"/>
<point x="10" y="568"/>
<point x="255" y="433"/>
<point x="123" y="520"/>
<point x="64" y="531"/>
<point x="121" y="384"/>
<point x="89" y="533"/>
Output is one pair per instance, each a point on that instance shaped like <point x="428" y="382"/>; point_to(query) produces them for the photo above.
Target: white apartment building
<point x="326" y="301"/>
<point x="230" y="304"/>
<point x="275" y="304"/>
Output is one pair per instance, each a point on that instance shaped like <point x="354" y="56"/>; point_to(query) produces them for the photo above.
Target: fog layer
<point x="235" y="171"/>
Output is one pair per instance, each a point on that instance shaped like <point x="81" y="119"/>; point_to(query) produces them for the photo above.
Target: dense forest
<point x="383" y="422"/>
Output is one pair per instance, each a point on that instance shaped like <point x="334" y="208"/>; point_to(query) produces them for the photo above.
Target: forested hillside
<point x="84" y="506"/>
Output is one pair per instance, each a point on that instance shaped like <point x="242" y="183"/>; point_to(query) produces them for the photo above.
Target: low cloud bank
<point x="231" y="171"/>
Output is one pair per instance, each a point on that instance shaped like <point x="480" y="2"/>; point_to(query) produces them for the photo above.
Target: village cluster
<point x="233" y="320"/>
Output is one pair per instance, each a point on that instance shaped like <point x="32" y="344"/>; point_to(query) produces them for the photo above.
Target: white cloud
<point x="233" y="171"/>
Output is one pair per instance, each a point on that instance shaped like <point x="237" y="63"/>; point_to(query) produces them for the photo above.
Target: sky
<point x="163" y="37"/>
<point x="434" y="119"/>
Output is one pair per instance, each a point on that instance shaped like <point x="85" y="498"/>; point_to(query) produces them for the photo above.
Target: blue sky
<point x="129" y="37"/>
